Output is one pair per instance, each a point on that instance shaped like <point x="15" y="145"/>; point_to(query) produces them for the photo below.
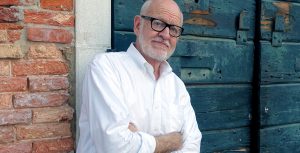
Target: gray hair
<point x="146" y="5"/>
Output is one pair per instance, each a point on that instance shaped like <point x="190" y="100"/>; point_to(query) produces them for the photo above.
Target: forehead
<point x="166" y="11"/>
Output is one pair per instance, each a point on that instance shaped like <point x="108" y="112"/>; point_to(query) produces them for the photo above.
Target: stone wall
<point x="37" y="76"/>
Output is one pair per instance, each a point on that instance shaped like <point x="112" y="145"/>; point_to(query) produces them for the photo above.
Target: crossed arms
<point x="164" y="143"/>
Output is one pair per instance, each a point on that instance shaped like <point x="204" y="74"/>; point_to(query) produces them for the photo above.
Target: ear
<point x="136" y="24"/>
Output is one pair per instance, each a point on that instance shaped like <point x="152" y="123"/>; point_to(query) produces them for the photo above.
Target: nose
<point x="165" y="33"/>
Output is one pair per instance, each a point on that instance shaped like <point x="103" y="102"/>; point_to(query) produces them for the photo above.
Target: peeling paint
<point x="266" y="25"/>
<point x="284" y="9"/>
<point x="266" y="109"/>
<point x="200" y="21"/>
<point x="241" y="149"/>
<point x="200" y="12"/>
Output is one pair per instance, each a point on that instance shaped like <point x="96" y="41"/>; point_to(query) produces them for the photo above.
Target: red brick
<point x="7" y="134"/>
<point x="44" y="51"/>
<point x="49" y="35"/>
<point x="53" y="146"/>
<point x="3" y="36"/>
<point x="38" y="67"/>
<point x="10" y="26"/>
<point x="48" y="83"/>
<point x="13" y="84"/>
<point x="4" y="68"/>
<point x="50" y="18"/>
<point x="10" y="51"/>
<point x="5" y="101"/>
<point x="53" y="114"/>
<point x="9" y="14"/>
<point x="23" y="147"/>
<point x="59" y="5"/>
<point x="28" y="2"/>
<point x="36" y="131"/>
<point x="9" y="2"/>
<point x="24" y="100"/>
<point x="14" y="35"/>
<point x="15" y="116"/>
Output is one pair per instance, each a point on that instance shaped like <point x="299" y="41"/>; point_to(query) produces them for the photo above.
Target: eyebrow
<point x="153" y="18"/>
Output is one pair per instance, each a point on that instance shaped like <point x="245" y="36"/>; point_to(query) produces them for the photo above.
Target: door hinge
<point x="244" y="26"/>
<point x="278" y="31"/>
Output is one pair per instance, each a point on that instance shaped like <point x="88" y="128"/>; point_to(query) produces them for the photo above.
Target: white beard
<point x="159" y="55"/>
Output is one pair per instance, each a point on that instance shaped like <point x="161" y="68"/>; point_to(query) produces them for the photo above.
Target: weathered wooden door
<point x="239" y="70"/>
<point x="280" y="77"/>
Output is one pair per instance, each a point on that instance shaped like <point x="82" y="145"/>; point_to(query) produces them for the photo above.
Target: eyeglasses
<point x="159" y="26"/>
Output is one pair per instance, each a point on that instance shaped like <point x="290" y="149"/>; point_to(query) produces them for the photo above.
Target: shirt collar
<point x="140" y="60"/>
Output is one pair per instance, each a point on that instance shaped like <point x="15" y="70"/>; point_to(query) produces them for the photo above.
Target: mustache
<point x="161" y="40"/>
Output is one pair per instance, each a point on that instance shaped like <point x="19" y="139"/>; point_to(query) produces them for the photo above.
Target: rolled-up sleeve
<point x="105" y="116"/>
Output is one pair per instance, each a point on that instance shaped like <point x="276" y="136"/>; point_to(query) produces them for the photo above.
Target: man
<point x="132" y="101"/>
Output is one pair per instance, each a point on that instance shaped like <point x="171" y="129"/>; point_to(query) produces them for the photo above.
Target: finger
<point x="132" y="127"/>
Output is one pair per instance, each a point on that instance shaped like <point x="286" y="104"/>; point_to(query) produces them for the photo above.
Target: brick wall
<point x="36" y="76"/>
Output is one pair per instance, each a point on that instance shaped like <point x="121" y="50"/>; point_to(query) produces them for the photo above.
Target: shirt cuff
<point x="148" y="143"/>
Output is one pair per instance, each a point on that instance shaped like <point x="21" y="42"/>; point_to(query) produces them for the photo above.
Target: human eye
<point x="174" y="30"/>
<point x="159" y="24"/>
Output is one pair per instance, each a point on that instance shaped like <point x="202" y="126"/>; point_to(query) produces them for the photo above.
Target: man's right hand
<point x="164" y="143"/>
<point x="168" y="142"/>
<point x="132" y="127"/>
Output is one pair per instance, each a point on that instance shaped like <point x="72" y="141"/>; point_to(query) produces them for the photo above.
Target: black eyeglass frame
<point x="166" y="25"/>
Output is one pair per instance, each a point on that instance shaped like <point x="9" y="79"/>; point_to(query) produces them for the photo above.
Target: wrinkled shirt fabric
<point x="120" y="88"/>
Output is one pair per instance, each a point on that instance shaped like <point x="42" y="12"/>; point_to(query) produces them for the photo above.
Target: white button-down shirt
<point x="120" y="88"/>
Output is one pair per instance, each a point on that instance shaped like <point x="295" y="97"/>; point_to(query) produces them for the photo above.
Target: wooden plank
<point x="224" y="119"/>
<point x="226" y="141"/>
<point x="220" y="20"/>
<point x="211" y="60"/>
<point x="280" y="64"/>
<point x="221" y="106"/>
<point x="205" y="60"/>
<point x="280" y="139"/>
<point x="290" y="11"/>
<point x="280" y="104"/>
<point x="124" y="13"/>
<point x="122" y="40"/>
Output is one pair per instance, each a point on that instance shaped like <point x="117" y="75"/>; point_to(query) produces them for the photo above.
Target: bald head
<point x="165" y="6"/>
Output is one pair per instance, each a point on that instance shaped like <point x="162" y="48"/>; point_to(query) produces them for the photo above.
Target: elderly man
<point x="132" y="101"/>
